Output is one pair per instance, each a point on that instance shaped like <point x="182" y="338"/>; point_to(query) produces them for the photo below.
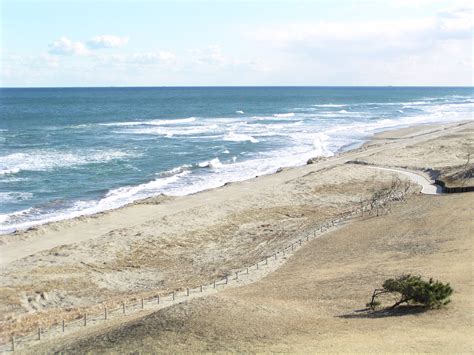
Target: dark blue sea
<point x="66" y="152"/>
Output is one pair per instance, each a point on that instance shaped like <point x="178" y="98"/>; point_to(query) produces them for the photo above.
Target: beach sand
<point x="162" y="244"/>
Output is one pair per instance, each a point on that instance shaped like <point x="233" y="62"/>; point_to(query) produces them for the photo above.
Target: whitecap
<point x="43" y="159"/>
<point x="15" y="196"/>
<point x="283" y="115"/>
<point x="175" y="171"/>
<point x="170" y="132"/>
<point x="416" y="103"/>
<point x="329" y="105"/>
<point x="321" y="145"/>
<point x="240" y="111"/>
<point x="239" y="138"/>
<point x="156" y="122"/>
<point x="123" y="195"/>
<point x="9" y="171"/>
<point x="213" y="164"/>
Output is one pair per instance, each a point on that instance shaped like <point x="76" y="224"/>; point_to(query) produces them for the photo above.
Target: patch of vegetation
<point x="412" y="290"/>
<point x="381" y="199"/>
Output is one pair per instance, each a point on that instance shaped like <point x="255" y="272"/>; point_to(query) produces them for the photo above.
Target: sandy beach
<point x="309" y="303"/>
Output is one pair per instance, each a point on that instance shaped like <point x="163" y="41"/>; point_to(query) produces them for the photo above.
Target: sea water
<point x="66" y="152"/>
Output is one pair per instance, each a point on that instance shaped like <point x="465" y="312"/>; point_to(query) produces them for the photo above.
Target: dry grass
<point x="315" y="302"/>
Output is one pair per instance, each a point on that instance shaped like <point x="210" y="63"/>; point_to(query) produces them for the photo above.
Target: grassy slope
<point x="312" y="303"/>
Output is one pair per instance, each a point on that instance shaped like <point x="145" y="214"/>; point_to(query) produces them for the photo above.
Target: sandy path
<point x="69" y="232"/>
<point x="428" y="188"/>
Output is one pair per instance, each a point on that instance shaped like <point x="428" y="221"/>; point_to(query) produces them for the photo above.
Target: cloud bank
<point x="371" y="36"/>
<point x="107" y="41"/>
<point x="65" y="46"/>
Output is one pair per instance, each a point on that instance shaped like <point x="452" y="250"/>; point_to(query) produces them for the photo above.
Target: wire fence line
<point x="158" y="301"/>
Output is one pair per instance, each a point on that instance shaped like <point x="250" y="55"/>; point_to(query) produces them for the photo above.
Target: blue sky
<point x="259" y="42"/>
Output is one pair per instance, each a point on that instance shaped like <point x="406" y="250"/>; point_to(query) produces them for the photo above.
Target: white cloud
<point x="450" y="24"/>
<point x="145" y="58"/>
<point x="107" y="41"/>
<point x="382" y="38"/>
<point x="425" y="3"/>
<point x="139" y="59"/>
<point x="153" y="57"/>
<point x="455" y="23"/>
<point x="428" y="50"/>
<point x="64" y="46"/>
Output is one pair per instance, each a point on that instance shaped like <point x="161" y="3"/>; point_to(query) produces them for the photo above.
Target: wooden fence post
<point x="266" y="261"/>
<point x="123" y="307"/>
<point x="174" y="295"/>
<point x="257" y="265"/>
<point x="187" y="291"/>
<point x="201" y="288"/>
<point x="226" y="279"/>
<point x="143" y="306"/>
<point x="105" y="313"/>
<point x="214" y="284"/>
<point x="275" y="256"/>
<point x="158" y="297"/>
<point x="13" y="343"/>
<point x="236" y="275"/>
<point x="39" y="333"/>
<point x="85" y="319"/>
<point x="64" y="326"/>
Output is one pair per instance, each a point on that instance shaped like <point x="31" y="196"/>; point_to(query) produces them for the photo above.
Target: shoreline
<point x="161" y="197"/>
<point x="182" y="242"/>
<point x="379" y="138"/>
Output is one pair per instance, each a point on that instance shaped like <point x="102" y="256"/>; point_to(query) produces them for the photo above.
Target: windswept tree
<point x="413" y="290"/>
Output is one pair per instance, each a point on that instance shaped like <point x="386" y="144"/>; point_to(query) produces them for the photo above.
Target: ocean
<point x="66" y="152"/>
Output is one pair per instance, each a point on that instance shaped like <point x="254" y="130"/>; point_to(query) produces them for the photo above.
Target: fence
<point x="162" y="301"/>
<point x="451" y="190"/>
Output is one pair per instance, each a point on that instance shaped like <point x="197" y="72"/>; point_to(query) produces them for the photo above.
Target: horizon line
<point x="235" y="86"/>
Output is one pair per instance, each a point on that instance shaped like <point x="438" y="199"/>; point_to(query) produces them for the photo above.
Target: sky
<point x="66" y="43"/>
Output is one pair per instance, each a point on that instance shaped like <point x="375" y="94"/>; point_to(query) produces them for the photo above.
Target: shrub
<point x="412" y="290"/>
